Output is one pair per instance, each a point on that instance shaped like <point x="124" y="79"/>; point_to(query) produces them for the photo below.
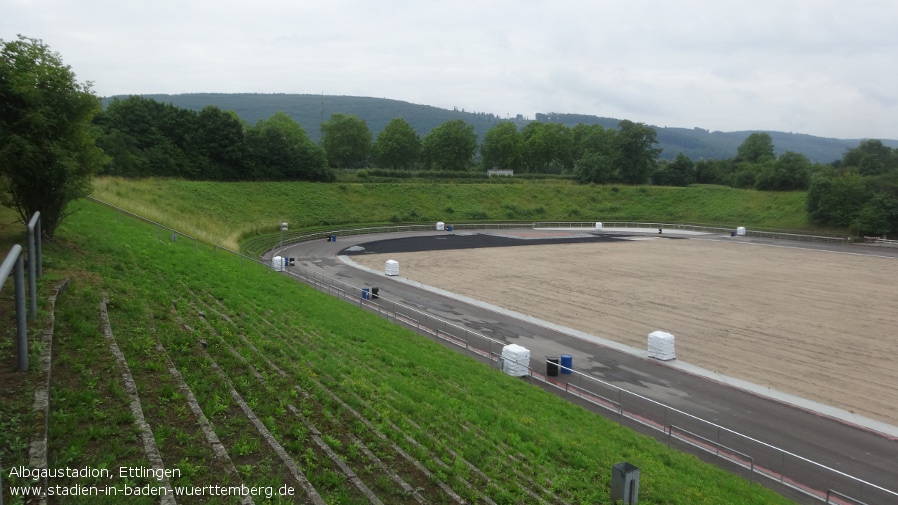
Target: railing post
<point x="783" y="467"/>
<point x="21" y="325"/>
<point x="40" y="255"/>
<point x="32" y="263"/>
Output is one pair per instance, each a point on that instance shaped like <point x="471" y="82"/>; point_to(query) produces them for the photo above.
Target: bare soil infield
<point x="817" y="324"/>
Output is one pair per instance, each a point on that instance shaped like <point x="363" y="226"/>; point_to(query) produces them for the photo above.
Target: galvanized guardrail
<point x="14" y="263"/>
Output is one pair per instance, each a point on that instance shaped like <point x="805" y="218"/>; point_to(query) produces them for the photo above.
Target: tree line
<point x="144" y="137"/>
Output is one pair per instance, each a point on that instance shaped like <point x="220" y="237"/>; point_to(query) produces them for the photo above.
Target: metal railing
<point x="764" y="459"/>
<point x="260" y="245"/>
<point x="35" y="259"/>
<point x="159" y="227"/>
<point x="707" y="444"/>
<point x="771" y="234"/>
<point x="885" y="242"/>
<point x="843" y="499"/>
<point x="257" y="246"/>
<point x="14" y="263"/>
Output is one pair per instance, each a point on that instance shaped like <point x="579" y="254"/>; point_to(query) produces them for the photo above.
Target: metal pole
<point x="34" y="242"/>
<point x="32" y="280"/>
<point x="40" y="255"/>
<point x="783" y="468"/>
<point x="21" y="328"/>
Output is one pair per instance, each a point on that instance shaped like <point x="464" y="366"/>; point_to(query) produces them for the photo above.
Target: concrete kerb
<point x="37" y="451"/>
<point x="842" y="415"/>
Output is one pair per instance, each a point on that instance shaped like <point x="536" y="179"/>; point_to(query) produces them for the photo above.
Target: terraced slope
<point x="233" y="377"/>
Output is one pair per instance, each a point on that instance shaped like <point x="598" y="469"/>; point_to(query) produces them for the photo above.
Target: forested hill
<point x="310" y="110"/>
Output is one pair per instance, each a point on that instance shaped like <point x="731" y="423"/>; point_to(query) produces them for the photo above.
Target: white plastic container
<point x="598" y="226"/>
<point x="740" y="231"/>
<point x="392" y="267"/>
<point x="515" y="360"/>
<point x="661" y="346"/>
<point x="441" y="226"/>
<point x="277" y="263"/>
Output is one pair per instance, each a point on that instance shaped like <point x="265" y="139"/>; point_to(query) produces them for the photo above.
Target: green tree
<point x="636" y="155"/>
<point x="712" y="171"/>
<point x="547" y="147"/>
<point x="148" y="138"/>
<point x="218" y="141"/>
<point x="450" y="146"/>
<point x="756" y="148"/>
<point x="791" y="171"/>
<point x="592" y="138"/>
<point x="594" y="168"/>
<point x="871" y="157"/>
<point x="397" y="145"/>
<point x="279" y="149"/>
<point x="47" y="149"/>
<point x="501" y="147"/>
<point x="679" y="172"/>
<point x="836" y="200"/>
<point x="878" y="215"/>
<point x="346" y="139"/>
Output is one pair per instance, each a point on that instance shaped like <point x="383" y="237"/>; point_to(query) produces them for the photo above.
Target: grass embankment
<point x="317" y="373"/>
<point x="230" y="212"/>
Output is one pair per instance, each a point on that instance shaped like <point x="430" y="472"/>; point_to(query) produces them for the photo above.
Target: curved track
<point x="844" y="447"/>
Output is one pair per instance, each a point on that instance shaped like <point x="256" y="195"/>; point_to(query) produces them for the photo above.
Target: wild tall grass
<point x="227" y="213"/>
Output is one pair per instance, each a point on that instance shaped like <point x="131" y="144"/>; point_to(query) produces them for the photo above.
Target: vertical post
<point x="32" y="274"/>
<point x="783" y="468"/>
<point x="21" y="328"/>
<point x="40" y="255"/>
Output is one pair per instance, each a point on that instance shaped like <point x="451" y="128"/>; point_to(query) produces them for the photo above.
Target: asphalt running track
<point x="855" y="450"/>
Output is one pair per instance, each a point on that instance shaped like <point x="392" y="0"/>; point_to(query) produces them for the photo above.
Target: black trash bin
<point x="551" y="366"/>
<point x="375" y="293"/>
<point x="624" y="484"/>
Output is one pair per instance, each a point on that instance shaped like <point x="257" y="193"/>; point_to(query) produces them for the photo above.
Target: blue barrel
<point x="366" y="294"/>
<point x="449" y="228"/>
<point x="333" y="238"/>
<point x="567" y="363"/>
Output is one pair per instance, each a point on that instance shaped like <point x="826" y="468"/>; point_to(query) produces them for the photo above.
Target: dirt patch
<point x="816" y="324"/>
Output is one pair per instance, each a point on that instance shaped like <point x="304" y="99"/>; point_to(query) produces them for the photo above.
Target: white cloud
<point x="819" y="67"/>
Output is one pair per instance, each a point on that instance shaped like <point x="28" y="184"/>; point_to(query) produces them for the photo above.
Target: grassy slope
<point x="228" y="212"/>
<point x="561" y="443"/>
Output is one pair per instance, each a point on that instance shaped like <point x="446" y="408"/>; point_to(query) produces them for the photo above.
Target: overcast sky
<point x="827" y="68"/>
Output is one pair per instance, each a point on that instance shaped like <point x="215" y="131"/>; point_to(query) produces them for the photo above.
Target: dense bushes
<point x="147" y="138"/>
<point x="860" y="192"/>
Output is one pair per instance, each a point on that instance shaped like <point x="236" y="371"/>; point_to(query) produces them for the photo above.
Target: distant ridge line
<point x="309" y="109"/>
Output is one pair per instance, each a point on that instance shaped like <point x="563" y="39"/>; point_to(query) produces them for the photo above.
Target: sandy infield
<point x="816" y="324"/>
